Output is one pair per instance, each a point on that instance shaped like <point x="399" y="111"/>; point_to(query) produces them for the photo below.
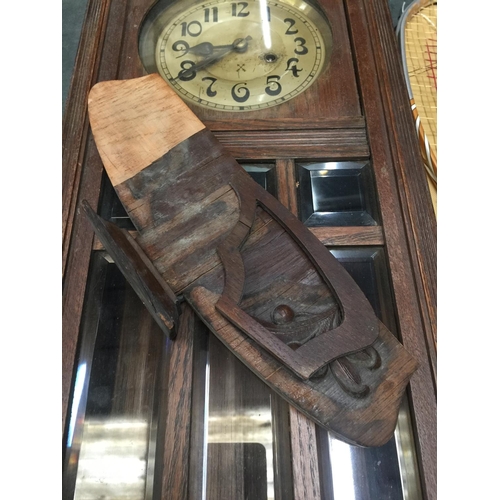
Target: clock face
<point x="242" y="56"/>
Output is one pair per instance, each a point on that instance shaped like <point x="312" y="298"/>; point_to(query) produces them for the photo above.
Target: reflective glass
<point x="390" y="471"/>
<point x="262" y="174"/>
<point x="337" y="194"/>
<point x="113" y="421"/>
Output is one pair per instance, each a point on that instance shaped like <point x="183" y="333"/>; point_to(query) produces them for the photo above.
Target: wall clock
<point x="238" y="56"/>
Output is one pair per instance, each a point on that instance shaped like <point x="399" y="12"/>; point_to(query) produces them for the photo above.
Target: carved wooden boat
<point x="259" y="279"/>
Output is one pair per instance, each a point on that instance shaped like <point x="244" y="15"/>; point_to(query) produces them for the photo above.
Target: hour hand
<point x="217" y="52"/>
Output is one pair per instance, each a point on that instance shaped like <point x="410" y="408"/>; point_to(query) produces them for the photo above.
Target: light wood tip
<point x="137" y="121"/>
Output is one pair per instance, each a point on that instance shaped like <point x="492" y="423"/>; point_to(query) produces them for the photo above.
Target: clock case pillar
<point x="370" y="120"/>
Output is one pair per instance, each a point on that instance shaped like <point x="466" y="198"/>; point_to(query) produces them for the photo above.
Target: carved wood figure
<point x="258" y="278"/>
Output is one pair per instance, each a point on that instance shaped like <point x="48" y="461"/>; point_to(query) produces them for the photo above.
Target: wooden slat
<point x="82" y="166"/>
<point x="349" y="235"/>
<point x="286" y="184"/>
<point x="404" y="270"/>
<point x="346" y="122"/>
<point x="75" y="280"/>
<point x="417" y="202"/>
<point x="176" y="439"/>
<point x="75" y="116"/>
<point x="306" y="481"/>
<point x="329" y="236"/>
<point x="320" y="143"/>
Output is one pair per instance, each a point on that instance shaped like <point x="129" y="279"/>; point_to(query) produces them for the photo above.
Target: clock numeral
<point x="301" y="45"/>
<point x="268" y="14"/>
<point x="186" y="74"/>
<point x="289" y="31"/>
<point x="192" y="29"/>
<point x="291" y="65"/>
<point x="181" y="46"/>
<point x="210" y="91"/>
<point x="215" y="15"/>
<point x="272" y="81"/>
<point x="241" y="12"/>
<point x="240" y="93"/>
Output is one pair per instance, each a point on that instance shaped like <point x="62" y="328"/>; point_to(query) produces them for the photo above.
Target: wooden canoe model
<point x="258" y="278"/>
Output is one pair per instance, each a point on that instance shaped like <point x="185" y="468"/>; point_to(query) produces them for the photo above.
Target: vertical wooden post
<point x="176" y="440"/>
<point x="302" y="430"/>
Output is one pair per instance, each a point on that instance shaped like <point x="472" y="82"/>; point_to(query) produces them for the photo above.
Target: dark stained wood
<point x="176" y="438"/>
<point x="303" y="345"/>
<point x="329" y="236"/>
<point x="417" y="205"/>
<point x="117" y="58"/>
<point x="306" y="474"/>
<point x="75" y="116"/>
<point x="93" y="63"/>
<point x="305" y="463"/>
<point x="346" y="236"/>
<point x="75" y="282"/>
<point x="253" y="124"/>
<point x="156" y="295"/>
<point x="405" y="271"/>
<point x="348" y="416"/>
<point x="286" y="184"/>
<point x="313" y="144"/>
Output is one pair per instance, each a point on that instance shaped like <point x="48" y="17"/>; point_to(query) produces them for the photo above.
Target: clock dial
<point x="242" y="56"/>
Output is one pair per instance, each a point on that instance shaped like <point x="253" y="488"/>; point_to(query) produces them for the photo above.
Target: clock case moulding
<point x="259" y="279"/>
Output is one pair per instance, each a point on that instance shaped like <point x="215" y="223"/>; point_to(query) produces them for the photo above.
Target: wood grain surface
<point x="108" y="51"/>
<point x="281" y="264"/>
<point x="131" y="138"/>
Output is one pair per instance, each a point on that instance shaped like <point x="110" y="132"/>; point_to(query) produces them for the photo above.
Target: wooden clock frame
<point x="357" y="110"/>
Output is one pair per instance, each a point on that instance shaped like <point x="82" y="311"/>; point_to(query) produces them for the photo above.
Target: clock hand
<point x="207" y="48"/>
<point x="239" y="45"/>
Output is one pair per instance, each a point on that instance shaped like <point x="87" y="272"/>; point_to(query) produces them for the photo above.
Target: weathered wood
<point x="75" y="115"/>
<point x="124" y="150"/>
<point x="346" y="415"/>
<point x="306" y="481"/>
<point x="303" y="346"/>
<point x="346" y="236"/>
<point x="156" y="295"/>
<point x="315" y="143"/>
<point x="117" y="58"/>
<point x="329" y="236"/>
<point x="176" y="437"/>
<point x="287" y="188"/>
<point x="99" y="58"/>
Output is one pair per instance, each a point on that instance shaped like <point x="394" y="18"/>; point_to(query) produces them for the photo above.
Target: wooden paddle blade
<point x="258" y="278"/>
<point x="135" y="122"/>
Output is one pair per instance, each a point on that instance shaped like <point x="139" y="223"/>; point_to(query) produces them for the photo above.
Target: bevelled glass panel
<point x="262" y="174"/>
<point x="389" y="471"/>
<point x="242" y="447"/>
<point x="337" y="194"/>
<point x="111" y="208"/>
<point x="111" y="439"/>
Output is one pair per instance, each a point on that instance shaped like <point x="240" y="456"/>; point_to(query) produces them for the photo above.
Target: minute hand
<point x="239" y="45"/>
